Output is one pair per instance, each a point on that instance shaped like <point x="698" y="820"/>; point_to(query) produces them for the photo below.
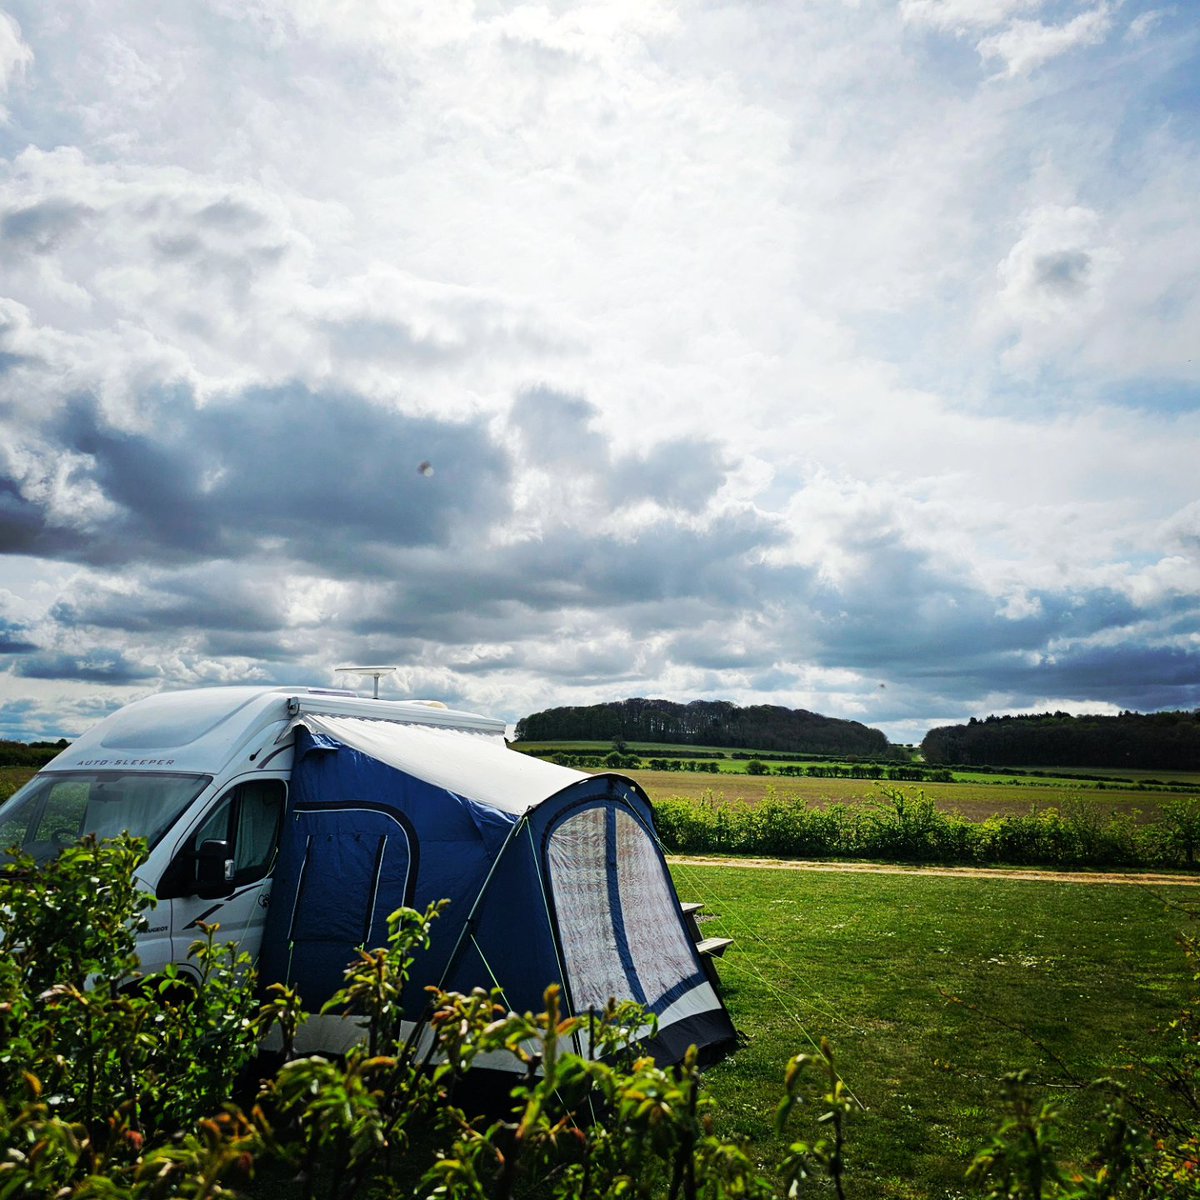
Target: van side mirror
<point x="214" y="869"/>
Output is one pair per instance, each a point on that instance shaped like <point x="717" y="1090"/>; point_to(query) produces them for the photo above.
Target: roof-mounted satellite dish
<point x="375" y="672"/>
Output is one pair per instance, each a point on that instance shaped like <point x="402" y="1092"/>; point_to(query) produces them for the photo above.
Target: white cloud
<point x="840" y="348"/>
<point x="1076" y="707"/>
<point x="960" y="15"/>
<point x="1141" y="25"/>
<point x="1058" y="270"/>
<point x="1024" y="46"/>
<point x="1182" y="530"/>
<point x="1109" y="294"/>
<point x="15" y="55"/>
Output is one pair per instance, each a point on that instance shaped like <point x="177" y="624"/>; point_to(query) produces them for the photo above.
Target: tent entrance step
<point x="707" y="948"/>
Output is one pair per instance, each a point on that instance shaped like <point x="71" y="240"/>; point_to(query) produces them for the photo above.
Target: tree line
<point x="704" y="723"/>
<point x="29" y="754"/>
<point x="1153" y="741"/>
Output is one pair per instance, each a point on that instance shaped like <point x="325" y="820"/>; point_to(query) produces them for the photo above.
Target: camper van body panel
<point x="218" y="733"/>
<point x="229" y="736"/>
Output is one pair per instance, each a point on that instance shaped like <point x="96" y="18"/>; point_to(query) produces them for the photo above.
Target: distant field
<point x="1164" y="774"/>
<point x="1082" y="778"/>
<point x="975" y="800"/>
<point x="12" y="778"/>
<point x="872" y="960"/>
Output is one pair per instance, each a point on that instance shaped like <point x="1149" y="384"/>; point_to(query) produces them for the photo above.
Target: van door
<point x="243" y="827"/>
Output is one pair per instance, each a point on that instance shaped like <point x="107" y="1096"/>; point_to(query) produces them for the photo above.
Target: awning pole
<point x="452" y="961"/>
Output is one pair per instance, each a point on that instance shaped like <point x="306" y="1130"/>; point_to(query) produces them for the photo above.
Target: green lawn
<point x="869" y="960"/>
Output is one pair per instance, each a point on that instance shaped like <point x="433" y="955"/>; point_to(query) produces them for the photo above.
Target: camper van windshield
<point x="51" y="811"/>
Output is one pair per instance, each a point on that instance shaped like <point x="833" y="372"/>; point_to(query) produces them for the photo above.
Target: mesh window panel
<point x="579" y="881"/>
<point x="658" y="945"/>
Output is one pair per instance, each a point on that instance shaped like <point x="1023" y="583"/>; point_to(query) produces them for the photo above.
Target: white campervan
<point x="203" y="776"/>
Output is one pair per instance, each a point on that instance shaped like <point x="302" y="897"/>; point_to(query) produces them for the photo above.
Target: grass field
<point x="12" y="778"/>
<point x="647" y="749"/>
<point x="870" y="960"/>
<point x="1165" y="774"/>
<point x="974" y="800"/>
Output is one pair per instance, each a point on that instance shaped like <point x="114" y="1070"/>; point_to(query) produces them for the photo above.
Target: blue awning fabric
<point x="553" y="876"/>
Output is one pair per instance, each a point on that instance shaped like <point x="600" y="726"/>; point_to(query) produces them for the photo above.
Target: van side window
<point x="248" y="817"/>
<point x="216" y="824"/>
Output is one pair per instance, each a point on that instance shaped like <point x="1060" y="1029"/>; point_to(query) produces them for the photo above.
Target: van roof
<point x="201" y="729"/>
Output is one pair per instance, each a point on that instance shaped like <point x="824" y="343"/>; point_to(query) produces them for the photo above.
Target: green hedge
<point x="907" y="826"/>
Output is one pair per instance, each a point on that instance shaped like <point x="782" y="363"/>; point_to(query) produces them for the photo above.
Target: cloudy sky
<point x="841" y="354"/>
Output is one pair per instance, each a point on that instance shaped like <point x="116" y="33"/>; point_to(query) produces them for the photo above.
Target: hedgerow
<point x="907" y="826"/>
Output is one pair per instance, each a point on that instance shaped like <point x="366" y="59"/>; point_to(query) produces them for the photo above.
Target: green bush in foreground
<point x="907" y="826"/>
<point x="105" y="1079"/>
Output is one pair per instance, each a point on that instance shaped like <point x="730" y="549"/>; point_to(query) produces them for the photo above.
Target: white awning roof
<point x="473" y="765"/>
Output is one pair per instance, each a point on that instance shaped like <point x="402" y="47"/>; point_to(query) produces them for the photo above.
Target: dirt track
<point x="1017" y="874"/>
